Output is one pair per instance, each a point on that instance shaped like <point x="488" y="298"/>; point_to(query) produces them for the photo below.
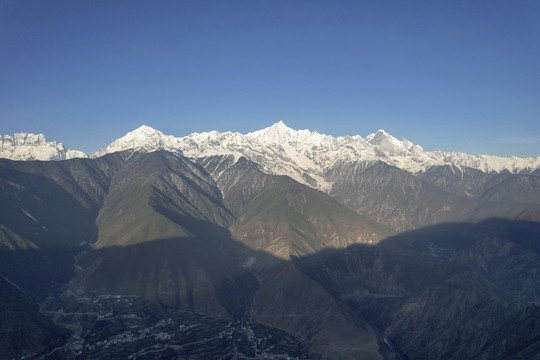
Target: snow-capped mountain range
<point x="303" y="155"/>
<point x="34" y="147"/>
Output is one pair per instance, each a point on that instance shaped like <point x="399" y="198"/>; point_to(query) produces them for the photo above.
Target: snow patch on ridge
<point x="27" y="213"/>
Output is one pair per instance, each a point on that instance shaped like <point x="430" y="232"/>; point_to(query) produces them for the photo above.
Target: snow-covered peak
<point x="308" y="156"/>
<point x="280" y="125"/>
<point x="25" y="146"/>
<point x="143" y="138"/>
<point x="389" y="144"/>
<point x="281" y="134"/>
<point x="145" y="135"/>
<point x="304" y="155"/>
<point x="145" y="129"/>
<point x="275" y="134"/>
<point x="380" y="137"/>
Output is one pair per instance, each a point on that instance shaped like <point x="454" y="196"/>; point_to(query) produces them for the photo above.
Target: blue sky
<point x="447" y="75"/>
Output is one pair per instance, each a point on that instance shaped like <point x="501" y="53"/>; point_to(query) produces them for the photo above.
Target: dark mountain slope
<point x="513" y="189"/>
<point x="46" y="210"/>
<point x="181" y="264"/>
<point x="290" y="300"/>
<point x="23" y="330"/>
<point x="173" y="209"/>
<point x="162" y="237"/>
<point x="461" y="181"/>
<point x="392" y="196"/>
<point x="148" y="188"/>
<point x="505" y="187"/>
<point x="50" y="208"/>
<point x="403" y="201"/>
<point x="450" y="291"/>
<point x="505" y="252"/>
<point x="278" y="215"/>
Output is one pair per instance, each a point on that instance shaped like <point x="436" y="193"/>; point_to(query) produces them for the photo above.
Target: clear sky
<point x="447" y="75"/>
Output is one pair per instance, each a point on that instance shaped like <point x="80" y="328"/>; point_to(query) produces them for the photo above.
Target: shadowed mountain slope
<point x="148" y="188"/>
<point x="203" y="269"/>
<point x="281" y="216"/>
<point x="454" y="291"/>
<point x="49" y="206"/>
<point x="23" y="329"/>
<point x="173" y="210"/>
<point x="47" y="209"/>
<point x="403" y="201"/>
<point x="503" y="187"/>
<point x="151" y="255"/>
<point x="158" y="226"/>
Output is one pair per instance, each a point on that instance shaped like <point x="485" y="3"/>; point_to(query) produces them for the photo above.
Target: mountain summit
<point x="304" y="155"/>
<point x="143" y="138"/>
<point x="307" y="156"/>
<point x="277" y="133"/>
<point x="24" y="146"/>
<point x="390" y="145"/>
